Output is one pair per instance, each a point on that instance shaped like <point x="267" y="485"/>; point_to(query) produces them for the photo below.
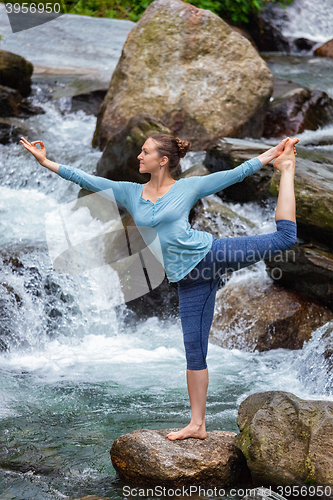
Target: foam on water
<point x="309" y="19"/>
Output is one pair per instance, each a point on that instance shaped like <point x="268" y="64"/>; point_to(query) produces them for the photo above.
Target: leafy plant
<point x="235" y="11"/>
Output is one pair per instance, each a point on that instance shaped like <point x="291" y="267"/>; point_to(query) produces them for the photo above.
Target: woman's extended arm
<point x="212" y="183"/>
<point x="120" y="189"/>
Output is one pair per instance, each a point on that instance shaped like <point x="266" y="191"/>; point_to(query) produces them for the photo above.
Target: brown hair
<point x="172" y="147"/>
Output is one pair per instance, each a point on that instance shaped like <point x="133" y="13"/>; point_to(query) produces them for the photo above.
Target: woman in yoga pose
<point x="196" y="260"/>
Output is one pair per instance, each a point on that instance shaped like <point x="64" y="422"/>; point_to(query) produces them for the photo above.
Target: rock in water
<point x="296" y="111"/>
<point x="148" y="456"/>
<point x="286" y="440"/>
<point x="187" y="67"/>
<point x="15" y="72"/>
<point x="325" y="50"/>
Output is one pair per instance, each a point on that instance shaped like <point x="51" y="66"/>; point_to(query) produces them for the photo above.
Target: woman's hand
<point x="39" y="154"/>
<point x="272" y="153"/>
<point x="280" y="147"/>
<point x="286" y="159"/>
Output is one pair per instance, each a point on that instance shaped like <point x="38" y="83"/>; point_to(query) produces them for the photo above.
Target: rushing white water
<point x="308" y="19"/>
<point x="68" y="342"/>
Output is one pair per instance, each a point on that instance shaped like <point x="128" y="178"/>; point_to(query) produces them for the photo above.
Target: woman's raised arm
<point x="212" y="183"/>
<point x="121" y="190"/>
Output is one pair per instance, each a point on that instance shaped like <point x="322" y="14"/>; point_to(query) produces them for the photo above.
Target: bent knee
<point x="287" y="233"/>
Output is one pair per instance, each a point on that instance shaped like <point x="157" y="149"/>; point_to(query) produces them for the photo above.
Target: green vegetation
<point x="235" y="11"/>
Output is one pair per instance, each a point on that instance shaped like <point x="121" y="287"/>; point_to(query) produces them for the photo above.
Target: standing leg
<point x="196" y="307"/>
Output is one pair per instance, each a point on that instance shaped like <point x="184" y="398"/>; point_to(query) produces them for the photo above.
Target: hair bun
<point x="183" y="146"/>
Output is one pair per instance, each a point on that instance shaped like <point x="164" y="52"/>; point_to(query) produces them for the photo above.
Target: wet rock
<point x="304" y="44"/>
<point x="213" y="216"/>
<point x="15" y="72"/>
<point x="325" y="50"/>
<point x="15" y="295"/>
<point x="309" y="272"/>
<point x="9" y="133"/>
<point x="10" y="101"/>
<point x="282" y="86"/>
<point x="272" y="317"/>
<point x="228" y="153"/>
<point x="12" y="104"/>
<point x="195" y="170"/>
<point x="298" y="110"/>
<point x="286" y="440"/>
<point x="161" y="302"/>
<point x="119" y="161"/>
<point x="314" y="201"/>
<point x="193" y="49"/>
<point x="148" y="456"/>
<point x="266" y="29"/>
<point x="27" y="109"/>
<point x="88" y="102"/>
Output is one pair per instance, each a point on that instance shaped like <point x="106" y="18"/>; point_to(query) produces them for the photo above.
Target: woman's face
<point x="150" y="160"/>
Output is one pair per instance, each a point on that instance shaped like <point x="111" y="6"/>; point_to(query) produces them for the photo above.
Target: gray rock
<point x="286" y="440"/>
<point x="325" y="50"/>
<point x="309" y="272"/>
<point x="148" y="456"/>
<point x="15" y="72"/>
<point x="272" y="317"/>
<point x="228" y="153"/>
<point x="298" y="110"/>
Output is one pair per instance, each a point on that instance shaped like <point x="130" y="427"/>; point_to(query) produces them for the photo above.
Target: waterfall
<point x="307" y="19"/>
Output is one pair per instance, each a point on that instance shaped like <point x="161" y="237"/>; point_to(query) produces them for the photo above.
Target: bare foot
<point x="191" y="430"/>
<point x="287" y="159"/>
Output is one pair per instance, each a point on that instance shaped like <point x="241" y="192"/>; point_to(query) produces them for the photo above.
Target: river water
<point x="78" y="374"/>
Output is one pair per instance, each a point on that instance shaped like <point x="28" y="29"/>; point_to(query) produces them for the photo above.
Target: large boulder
<point x="296" y="111"/>
<point x="325" y="50"/>
<point x="272" y="317"/>
<point x="148" y="456"/>
<point x="287" y="441"/>
<point x="187" y="67"/>
<point x="15" y="72"/>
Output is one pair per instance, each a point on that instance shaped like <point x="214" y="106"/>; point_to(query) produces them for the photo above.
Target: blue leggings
<point x="197" y="290"/>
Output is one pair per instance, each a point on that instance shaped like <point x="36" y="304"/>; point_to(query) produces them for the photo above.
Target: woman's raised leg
<point x="286" y="205"/>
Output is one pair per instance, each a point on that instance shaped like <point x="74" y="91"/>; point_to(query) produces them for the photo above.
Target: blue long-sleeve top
<point x="182" y="246"/>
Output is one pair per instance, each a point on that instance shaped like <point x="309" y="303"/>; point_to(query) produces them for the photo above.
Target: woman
<point x="196" y="260"/>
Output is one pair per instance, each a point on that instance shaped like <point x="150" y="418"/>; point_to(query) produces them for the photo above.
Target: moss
<point x="243" y="441"/>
